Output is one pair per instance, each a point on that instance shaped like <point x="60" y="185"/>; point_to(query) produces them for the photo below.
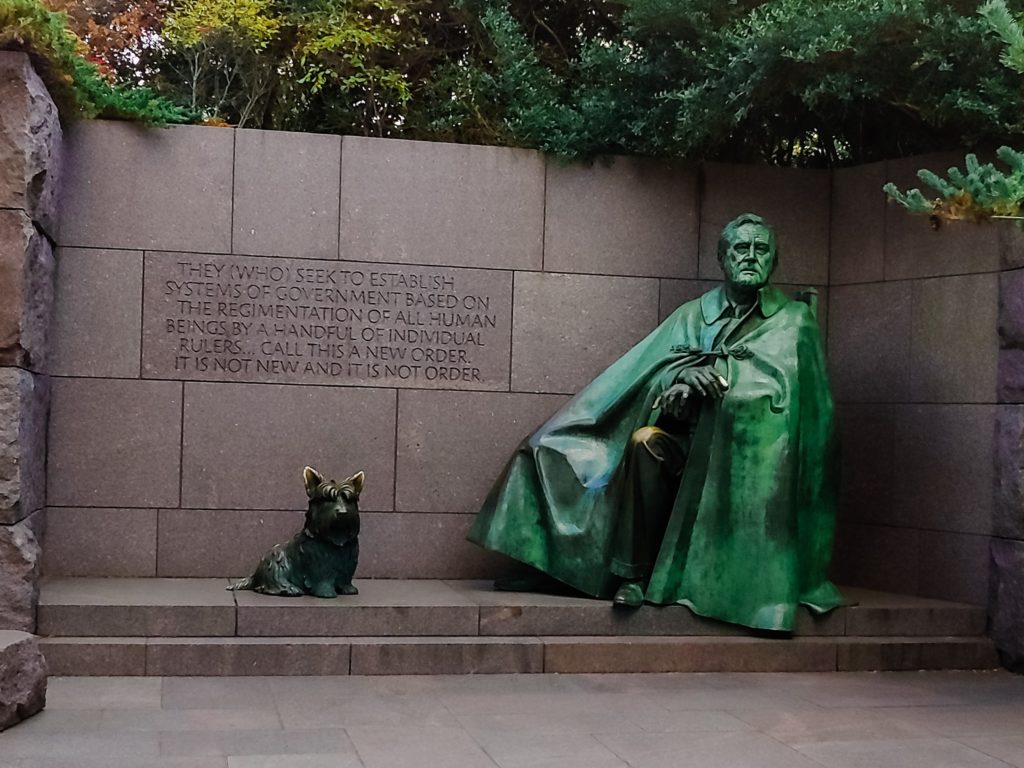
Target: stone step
<point x="168" y="608"/>
<point x="80" y="656"/>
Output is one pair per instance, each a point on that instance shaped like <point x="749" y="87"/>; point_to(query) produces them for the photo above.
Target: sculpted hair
<point x="729" y="232"/>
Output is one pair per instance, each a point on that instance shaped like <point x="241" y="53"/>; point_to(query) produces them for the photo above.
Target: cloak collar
<point x="713" y="303"/>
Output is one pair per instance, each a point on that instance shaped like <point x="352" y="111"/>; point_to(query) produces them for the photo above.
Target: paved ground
<point x="838" y="720"/>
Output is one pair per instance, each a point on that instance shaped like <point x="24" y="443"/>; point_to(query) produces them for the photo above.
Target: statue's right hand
<point x="673" y="400"/>
<point x="704" y="379"/>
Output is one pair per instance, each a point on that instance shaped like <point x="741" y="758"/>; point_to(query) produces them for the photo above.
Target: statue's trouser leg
<point x="653" y="468"/>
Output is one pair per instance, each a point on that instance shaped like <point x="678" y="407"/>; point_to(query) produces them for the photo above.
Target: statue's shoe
<point x="629" y="595"/>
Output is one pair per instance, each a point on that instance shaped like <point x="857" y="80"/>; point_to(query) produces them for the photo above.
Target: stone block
<point x="1011" y="376"/>
<point x="446" y="656"/>
<point x="908" y="654"/>
<point x="413" y="202"/>
<point x="286" y="194"/>
<point x="881" y="614"/>
<point x="876" y="557"/>
<point x="128" y="186"/>
<point x="20" y="569"/>
<point x="1006" y="601"/>
<point x="869" y="342"/>
<point x="794" y="201"/>
<point x="954" y="566"/>
<point x="1010" y="239"/>
<point x="383" y="607"/>
<point x="30" y="141"/>
<point x="594" y="655"/>
<point x="24" y="403"/>
<point x="953" y="342"/>
<point x="420" y="545"/>
<point x="136" y="608"/>
<point x="567" y="328"/>
<point x="943" y="467"/>
<point x="245" y="445"/>
<point x="97" y="317"/>
<point x="1011" y="309"/>
<point x="866" y="439"/>
<point x="672" y="294"/>
<point x="298" y="321"/>
<point x="914" y="248"/>
<point x="447" y="463"/>
<point x="621" y="216"/>
<point x="192" y="542"/>
<point x="100" y="542"/>
<point x="237" y="656"/>
<point x="1008" y="511"/>
<point x="858" y="224"/>
<point x="95" y="656"/>
<point x="114" y="443"/>
<point x="26" y="283"/>
<point x="22" y="668"/>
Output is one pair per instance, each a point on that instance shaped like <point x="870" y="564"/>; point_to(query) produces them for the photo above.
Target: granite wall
<point x="175" y="452"/>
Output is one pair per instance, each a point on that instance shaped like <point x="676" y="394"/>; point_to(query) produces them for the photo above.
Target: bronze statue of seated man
<point x="698" y="469"/>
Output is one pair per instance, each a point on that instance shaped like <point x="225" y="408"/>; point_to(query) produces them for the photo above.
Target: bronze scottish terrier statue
<point x="320" y="559"/>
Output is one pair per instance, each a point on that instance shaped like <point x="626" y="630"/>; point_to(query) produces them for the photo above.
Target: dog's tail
<point x="246" y="583"/>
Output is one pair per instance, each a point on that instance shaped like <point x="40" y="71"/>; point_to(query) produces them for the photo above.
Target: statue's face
<point x="751" y="257"/>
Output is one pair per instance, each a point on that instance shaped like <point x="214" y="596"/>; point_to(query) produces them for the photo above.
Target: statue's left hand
<point x="673" y="400"/>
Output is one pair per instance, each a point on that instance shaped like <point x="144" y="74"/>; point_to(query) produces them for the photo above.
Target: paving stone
<point x="286" y="194"/>
<point x="869" y="342"/>
<point x="703" y="750"/>
<point x="95" y="656"/>
<point x="898" y="654"/>
<point x="621" y="216"/>
<point x="22" y="676"/>
<point x="97" y="313"/>
<point x="954" y="353"/>
<point x="415" y="202"/>
<point x="446" y="464"/>
<point x="103" y="693"/>
<point x="688" y="654"/>
<point x="20" y="568"/>
<point x="913" y="248"/>
<point x="191" y="542"/>
<point x="943" y="467"/>
<point x="168" y="656"/>
<point x="26" y="283"/>
<point x="127" y="186"/>
<point x="1006" y="602"/>
<point x="24" y="404"/>
<point x="276" y="744"/>
<point x="229" y="462"/>
<point x="857" y="242"/>
<point x="406" y="747"/>
<point x="382" y="607"/>
<point x="30" y="141"/>
<point x="795" y="202"/>
<point x="136" y="607"/>
<point x="810" y="726"/>
<point x="597" y="318"/>
<point x="898" y="753"/>
<point x="446" y="656"/>
<point x="114" y="443"/>
<point x="100" y="542"/>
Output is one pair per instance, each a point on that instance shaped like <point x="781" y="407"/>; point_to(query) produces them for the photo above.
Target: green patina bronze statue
<point x="699" y="469"/>
<point x="320" y="559"/>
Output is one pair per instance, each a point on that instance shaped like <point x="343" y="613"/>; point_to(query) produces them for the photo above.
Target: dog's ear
<point x="357" y="482"/>
<point x="312" y="479"/>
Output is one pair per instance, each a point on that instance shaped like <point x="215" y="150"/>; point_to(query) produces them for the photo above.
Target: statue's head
<point x="747" y="251"/>
<point x="333" y="506"/>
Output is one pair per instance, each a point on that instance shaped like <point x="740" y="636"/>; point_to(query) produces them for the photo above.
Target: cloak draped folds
<point x="750" y="532"/>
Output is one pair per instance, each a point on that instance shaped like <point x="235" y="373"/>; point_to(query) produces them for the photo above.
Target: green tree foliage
<point x="76" y="84"/>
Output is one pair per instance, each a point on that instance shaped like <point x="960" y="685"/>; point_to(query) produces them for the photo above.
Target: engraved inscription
<point x="234" y="318"/>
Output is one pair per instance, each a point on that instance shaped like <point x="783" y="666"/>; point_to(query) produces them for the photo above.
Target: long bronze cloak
<point x="751" y="530"/>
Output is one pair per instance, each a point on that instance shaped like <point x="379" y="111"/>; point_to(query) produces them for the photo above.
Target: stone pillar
<point x="30" y="141"/>
<point x="1007" y="582"/>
